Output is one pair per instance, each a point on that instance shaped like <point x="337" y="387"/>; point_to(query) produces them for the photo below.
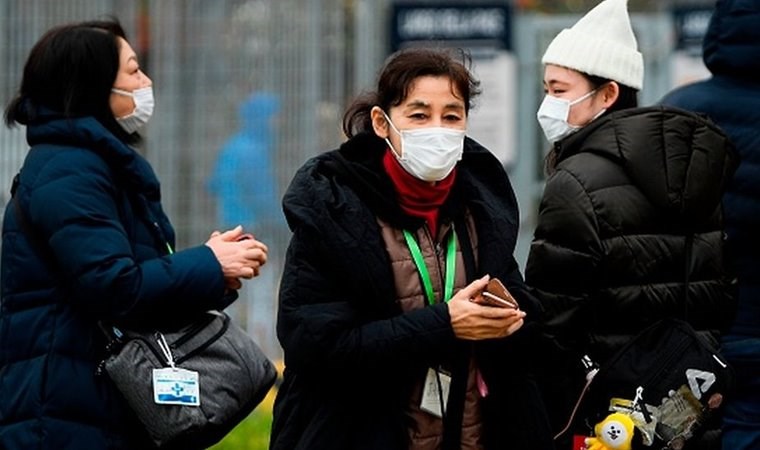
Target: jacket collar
<point x="88" y="133"/>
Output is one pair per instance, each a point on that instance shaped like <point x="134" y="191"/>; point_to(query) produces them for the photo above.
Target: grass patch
<point x="250" y="434"/>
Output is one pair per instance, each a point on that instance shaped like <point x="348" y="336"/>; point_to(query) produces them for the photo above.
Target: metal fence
<point x="207" y="58"/>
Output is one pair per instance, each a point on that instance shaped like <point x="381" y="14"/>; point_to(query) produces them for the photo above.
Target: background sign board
<point x="484" y="29"/>
<point x="690" y="25"/>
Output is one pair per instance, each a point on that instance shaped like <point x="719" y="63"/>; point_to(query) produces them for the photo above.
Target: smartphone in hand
<point x="495" y="294"/>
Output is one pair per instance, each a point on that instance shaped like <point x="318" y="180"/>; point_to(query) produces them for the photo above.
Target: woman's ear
<point x="379" y="122"/>
<point x="610" y="94"/>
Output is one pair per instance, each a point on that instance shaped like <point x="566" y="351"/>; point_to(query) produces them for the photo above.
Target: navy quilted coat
<point x="731" y="98"/>
<point x="91" y="243"/>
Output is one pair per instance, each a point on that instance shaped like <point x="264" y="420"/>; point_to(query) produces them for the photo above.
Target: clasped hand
<point x="472" y="321"/>
<point x="239" y="254"/>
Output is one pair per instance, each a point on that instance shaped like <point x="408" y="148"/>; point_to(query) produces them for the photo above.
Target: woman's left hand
<point x="475" y="322"/>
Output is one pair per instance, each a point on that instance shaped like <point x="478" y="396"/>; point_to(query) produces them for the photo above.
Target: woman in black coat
<point x="395" y="235"/>
<point x="631" y="207"/>
<point x="85" y="239"/>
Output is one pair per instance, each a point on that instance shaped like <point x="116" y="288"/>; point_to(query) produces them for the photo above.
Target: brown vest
<point x="426" y="431"/>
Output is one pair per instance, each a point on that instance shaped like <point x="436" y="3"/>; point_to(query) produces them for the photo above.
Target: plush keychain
<point x="615" y="432"/>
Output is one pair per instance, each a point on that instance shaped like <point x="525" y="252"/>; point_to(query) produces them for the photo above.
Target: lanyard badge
<point x="435" y="391"/>
<point x="419" y="261"/>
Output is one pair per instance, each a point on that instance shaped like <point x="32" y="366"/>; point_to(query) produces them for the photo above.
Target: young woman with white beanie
<point x="631" y="206"/>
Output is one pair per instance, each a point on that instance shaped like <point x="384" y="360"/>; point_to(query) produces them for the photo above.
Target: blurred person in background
<point x="85" y="240"/>
<point x="243" y="180"/>
<point x="394" y="234"/>
<point x="244" y="185"/>
<point x="631" y="199"/>
<point x="731" y="98"/>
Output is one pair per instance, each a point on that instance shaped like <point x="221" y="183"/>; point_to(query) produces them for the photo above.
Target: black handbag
<point x="668" y="380"/>
<point x="189" y="386"/>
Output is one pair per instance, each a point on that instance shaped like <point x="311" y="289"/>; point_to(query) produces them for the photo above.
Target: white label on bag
<point x="176" y="387"/>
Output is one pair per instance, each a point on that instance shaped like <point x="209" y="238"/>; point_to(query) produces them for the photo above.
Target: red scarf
<point x="416" y="197"/>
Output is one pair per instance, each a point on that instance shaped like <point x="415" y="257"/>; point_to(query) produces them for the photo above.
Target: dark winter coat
<point x="731" y="98"/>
<point x="351" y="356"/>
<point x="90" y="244"/>
<point x="609" y="255"/>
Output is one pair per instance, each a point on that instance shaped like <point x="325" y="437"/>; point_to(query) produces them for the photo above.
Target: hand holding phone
<point x="495" y="294"/>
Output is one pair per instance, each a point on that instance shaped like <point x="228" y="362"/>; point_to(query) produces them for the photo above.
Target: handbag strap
<point x="689" y="244"/>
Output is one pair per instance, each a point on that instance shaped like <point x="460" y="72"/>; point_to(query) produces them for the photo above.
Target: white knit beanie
<point x="602" y="44"/>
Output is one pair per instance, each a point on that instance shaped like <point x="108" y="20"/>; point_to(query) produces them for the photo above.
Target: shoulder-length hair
<point x="70" y="71"/>
<point x="398" y="75"/>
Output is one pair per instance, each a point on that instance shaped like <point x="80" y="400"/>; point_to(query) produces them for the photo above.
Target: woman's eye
<point x="418" y="116"/>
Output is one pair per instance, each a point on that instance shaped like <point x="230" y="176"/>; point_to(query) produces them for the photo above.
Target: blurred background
<point x="247" y="90"/>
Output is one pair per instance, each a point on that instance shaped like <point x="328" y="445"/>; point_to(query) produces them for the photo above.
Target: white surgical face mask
<point x="553" y="113"/>
<point x="144" y="103"/>
<point x="429" y="154"/>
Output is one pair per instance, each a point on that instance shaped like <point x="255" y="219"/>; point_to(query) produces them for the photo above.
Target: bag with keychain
<point x="656" y="392"/>
<point x="189" y="386"/>
<point x="667" y="381"/>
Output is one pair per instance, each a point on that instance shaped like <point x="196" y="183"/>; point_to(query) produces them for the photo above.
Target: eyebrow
<point x="554" y="82"/>
<point x="422" y="104"/>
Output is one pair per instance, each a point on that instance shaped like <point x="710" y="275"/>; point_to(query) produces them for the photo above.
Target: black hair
<point x="397" y="76"/>
<point x="627" y="96"/>
<point x="71" y="71"/>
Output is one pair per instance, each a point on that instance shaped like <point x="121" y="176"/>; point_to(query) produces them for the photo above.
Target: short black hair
<point x="398" y="75"/>
<point x="627" y="96"/>
<point x="71" y="71"/>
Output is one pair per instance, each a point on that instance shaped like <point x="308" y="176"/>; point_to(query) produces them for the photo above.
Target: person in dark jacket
<point x="395" y="235"/>
<point x="85" y="240"/>
<point x="631" y="193"/>
<point x="731" y="98"/>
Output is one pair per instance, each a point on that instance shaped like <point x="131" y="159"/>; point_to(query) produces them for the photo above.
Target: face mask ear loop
<point x="122" y="92"/>
<point x="597" y="115"/>
<point x="387" y="140"/>
<point x="583" y="97"/>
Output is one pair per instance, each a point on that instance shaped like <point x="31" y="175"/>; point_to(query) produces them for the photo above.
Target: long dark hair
<point x="399" y="73"/>
<point x="627" y="98"/>
<point x="70" y="71"/>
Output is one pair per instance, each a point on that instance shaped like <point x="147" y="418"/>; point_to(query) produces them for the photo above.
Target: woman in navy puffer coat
<point x="85" y="239"/>
<point x="731" y="98"/>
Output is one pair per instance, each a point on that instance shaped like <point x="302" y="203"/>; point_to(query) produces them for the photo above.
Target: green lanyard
<point x="419" y="261"/>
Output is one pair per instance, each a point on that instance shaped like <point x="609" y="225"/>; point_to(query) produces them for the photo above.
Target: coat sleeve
<point x="76" y="210"/>
<point x="564" y="256"/>
<point x="323" y="326"/>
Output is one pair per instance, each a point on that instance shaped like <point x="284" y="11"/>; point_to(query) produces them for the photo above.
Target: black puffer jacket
<point x="351" y="355"/>
<point x="608" y="255"/>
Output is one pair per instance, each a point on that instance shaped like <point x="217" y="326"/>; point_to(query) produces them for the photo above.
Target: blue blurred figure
<point x="244" y="178"/>
<point x="245" y="185"/>
<point x="731" y="98"/>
